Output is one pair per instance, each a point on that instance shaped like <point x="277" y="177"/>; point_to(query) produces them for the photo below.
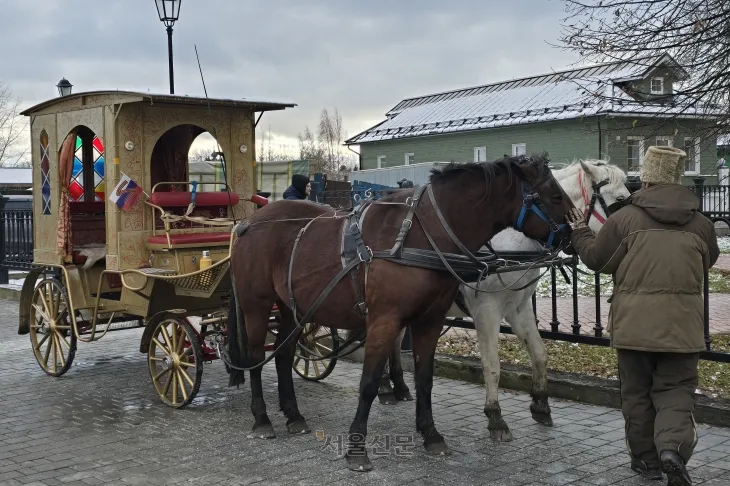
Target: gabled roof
<point x="560" y="95"/>
<point x="134" y="96"/>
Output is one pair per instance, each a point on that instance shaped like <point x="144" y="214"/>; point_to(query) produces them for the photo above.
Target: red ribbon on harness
<point x="596" y="214"/>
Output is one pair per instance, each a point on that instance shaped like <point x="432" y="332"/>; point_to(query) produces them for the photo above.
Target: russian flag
<point x="126" y="194"/>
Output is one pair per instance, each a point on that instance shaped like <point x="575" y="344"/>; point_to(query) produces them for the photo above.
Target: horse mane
<point x="490" y="169"/>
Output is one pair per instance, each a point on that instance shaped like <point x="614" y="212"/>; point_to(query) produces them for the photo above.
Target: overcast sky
<point x="360" y="56"/>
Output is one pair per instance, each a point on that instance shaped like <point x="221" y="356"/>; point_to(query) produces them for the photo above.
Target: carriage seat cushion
<point x="189" y="240"/>
<point x="182" y="199"/>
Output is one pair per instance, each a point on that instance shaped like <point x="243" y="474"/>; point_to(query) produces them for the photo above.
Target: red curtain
<point x="65" y="168"/>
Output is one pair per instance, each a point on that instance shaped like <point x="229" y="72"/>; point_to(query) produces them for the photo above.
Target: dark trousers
<point x="657" y="401"/>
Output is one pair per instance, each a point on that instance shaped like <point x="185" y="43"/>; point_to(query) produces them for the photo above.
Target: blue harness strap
<point x="194" y="191"/>
<point x="529" y="206"/>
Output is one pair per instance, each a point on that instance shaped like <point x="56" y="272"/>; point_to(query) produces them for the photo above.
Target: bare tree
<point x="326" y="152"/>
<point x="12" y="129"/>
<point x="694" y="32"/>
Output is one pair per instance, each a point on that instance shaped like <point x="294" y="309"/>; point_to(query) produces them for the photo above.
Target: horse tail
<point x="237" y="340"/>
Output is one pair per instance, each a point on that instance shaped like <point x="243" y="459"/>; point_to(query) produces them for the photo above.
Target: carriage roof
<point x="118" y="96"/>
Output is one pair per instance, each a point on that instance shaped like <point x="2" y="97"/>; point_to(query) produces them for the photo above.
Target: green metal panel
<point x="565" y="141"/>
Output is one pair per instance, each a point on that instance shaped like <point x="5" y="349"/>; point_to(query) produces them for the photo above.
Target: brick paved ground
<point x="101" y="423"/>
<point x="719" y="313"/>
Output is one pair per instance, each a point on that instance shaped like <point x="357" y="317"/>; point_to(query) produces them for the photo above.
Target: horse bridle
<point x="531" y="202"/>
<point x="596" y="196"/>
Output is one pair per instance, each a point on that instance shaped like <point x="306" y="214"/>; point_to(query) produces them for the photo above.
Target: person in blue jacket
<point x="299" y="189"/>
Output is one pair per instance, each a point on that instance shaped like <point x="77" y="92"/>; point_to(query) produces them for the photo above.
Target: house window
<point x="657" y="85"/>
<point x="381" y="162"/>
<point x="410" y="158"/>
<point x="692" y="148"/>
<point x="665" y="142"/>
<point x="480" y="154"/>
<point x="635" y="155"/>
<point x="519" y="149"/>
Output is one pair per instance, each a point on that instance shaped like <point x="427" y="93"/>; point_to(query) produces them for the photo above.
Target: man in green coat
<point x="657" y="247"/>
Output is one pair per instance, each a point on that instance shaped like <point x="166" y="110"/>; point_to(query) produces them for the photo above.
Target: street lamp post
<point x="169" y="12"/>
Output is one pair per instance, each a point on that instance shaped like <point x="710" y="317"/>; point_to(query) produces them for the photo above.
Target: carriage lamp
<point x="64" y="87"/>
<point x="169" y="11"/>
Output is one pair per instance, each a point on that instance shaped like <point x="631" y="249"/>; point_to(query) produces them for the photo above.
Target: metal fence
<point x="16" y="235"/>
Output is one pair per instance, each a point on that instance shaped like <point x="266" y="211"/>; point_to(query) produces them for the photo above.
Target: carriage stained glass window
<point x="45" y="177"/>
<point x="76" y="186"/>
<point x="99" y="186"/>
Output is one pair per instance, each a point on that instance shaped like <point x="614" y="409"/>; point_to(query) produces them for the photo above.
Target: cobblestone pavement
<point x="102" y="423"/>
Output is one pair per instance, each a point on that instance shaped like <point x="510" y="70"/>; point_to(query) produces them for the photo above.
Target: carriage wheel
<point x="315" y="342"/>
<point x="54" y="343"/>
<point x="175" y="361"/>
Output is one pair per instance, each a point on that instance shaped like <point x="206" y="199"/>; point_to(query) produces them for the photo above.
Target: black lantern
<point x="169" y="12"/>
<point x="64" y="87"/>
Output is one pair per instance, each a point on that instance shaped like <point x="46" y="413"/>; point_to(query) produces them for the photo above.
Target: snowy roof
<point x="723" y="139"/>
<point x="15" y="175"/>
<point x="561" y="95"/>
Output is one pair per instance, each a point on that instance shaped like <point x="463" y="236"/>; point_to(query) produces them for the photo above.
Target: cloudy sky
<point x="359" y="56"/>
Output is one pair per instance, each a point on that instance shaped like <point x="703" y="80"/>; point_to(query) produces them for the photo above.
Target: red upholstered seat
<point x="190" y="239"/>
<point x="182" y="199"/>
<point x="77" y="258"/>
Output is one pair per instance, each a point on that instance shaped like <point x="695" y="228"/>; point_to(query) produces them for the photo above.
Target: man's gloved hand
<point x="576" y="219"/>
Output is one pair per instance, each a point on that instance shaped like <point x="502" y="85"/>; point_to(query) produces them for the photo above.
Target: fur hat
<point x="663" y="165"/>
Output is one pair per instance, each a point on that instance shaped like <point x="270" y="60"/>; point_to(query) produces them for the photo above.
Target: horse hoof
<point x="403" y="396"/>
<point x="438" y="448"/>
<point x="543" y="418"/>
<point x="262" y="431"/>
<point x="299" y="426"/>
<point x="501" y="435"/>
<point x="358" y="461"/>
<point x="387" y="399"/>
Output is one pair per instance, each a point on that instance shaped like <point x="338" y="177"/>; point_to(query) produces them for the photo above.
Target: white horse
<point x="488" y="309"/>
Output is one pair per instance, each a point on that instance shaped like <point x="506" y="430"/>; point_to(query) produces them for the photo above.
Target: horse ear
<point x="589" y="170"/>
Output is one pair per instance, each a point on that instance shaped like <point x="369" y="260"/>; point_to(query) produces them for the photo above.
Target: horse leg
<point x="400" y="389"/>
<point x="257" y="324"/>
<point x="382" y="332"/>
<point x="394" y="371"/>
<point x="295" y="423"/>
<point x="487" y="319"/>
<point x="524" y="326"/>
<point x="385" y="392"/>
<point x="425" y="336"/>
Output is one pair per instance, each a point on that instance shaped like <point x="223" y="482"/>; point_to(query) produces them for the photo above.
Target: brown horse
<point x="297" y="246"/>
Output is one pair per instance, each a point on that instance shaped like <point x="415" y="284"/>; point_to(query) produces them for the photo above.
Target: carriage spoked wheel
<point x="175" y="361"/>
<point x="314" y="342"/>
<point x="54" y="343"/>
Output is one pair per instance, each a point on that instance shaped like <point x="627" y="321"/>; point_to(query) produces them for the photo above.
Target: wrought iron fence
<point x="16" y="236"/>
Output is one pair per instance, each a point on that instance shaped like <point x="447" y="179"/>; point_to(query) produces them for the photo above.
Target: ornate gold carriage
<point x="159" y="262"/>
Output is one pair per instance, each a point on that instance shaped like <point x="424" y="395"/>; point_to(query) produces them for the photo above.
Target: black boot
<point x="673" y="466"/>
<point x="648" y="471"/>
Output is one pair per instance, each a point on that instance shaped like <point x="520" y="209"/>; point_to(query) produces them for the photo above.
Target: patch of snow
<point x="723" y="243"/>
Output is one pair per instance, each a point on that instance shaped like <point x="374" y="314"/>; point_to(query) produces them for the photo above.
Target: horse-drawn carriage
<point x="101" y="260"/>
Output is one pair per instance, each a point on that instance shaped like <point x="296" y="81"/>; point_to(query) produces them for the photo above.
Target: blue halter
<point x="531" y="203"/>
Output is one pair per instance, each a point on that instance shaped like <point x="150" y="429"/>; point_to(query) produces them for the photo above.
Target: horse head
<point x="540" y="209"/>
<point x="594" y="185"/>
